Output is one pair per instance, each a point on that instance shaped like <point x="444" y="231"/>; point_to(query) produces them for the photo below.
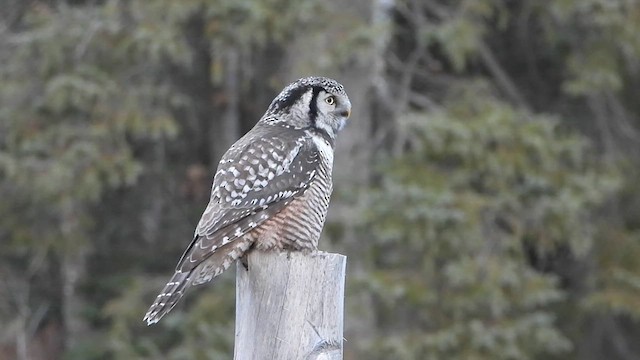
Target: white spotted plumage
<point x="271" y="189"/>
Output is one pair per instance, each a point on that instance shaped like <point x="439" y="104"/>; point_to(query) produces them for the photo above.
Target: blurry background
<point x="486" y="188"/>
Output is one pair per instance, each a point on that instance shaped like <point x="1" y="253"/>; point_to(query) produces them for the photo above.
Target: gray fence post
<point x="290" y="306"/>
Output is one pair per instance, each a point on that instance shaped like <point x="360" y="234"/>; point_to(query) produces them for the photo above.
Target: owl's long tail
<point x="214" y="264"/>
<point x="168" y="297"/>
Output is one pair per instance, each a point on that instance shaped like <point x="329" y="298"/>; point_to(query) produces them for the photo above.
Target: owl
<point x="271" y="189"/>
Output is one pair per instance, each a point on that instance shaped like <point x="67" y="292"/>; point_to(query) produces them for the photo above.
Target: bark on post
<point x="290" y="306"/>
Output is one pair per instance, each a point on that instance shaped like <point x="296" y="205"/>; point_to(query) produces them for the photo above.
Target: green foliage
<point x="460" y="39"/>
<point x="204" y="332"/>
<point x="608" y="46"/>
<point x="618" y="284"/>
<point x="67" y="125"/>
<point x="495" y="232"/>
<point x="456" y="219"/>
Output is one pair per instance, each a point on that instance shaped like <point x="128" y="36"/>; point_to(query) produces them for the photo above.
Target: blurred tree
<point x="69" y="123"/>
<point x="568" y="59"/>
<point x="457" y="221"/>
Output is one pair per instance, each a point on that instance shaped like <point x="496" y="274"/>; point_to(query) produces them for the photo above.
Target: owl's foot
<point x="316" y="252"/>
<point x="245" y="262"/>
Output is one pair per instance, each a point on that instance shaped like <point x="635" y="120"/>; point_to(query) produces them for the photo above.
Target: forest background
<point x="486" y="187"/>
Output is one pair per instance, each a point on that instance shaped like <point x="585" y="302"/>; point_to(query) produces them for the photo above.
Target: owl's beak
<point x="346" y="112"/>
<point x="344" y="109"/>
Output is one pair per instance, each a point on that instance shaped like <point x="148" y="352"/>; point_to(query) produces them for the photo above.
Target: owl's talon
<point x="317" y="253"/>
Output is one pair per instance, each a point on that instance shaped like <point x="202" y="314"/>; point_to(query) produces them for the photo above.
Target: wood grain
<point x="290" y="306"/>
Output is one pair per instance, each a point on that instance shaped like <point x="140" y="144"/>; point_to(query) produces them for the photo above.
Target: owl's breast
<point x="299" y="224"/>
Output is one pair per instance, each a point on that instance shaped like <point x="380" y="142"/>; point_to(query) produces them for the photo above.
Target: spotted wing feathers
<point x="256" y="179"/>
<point x="264" y="172"/>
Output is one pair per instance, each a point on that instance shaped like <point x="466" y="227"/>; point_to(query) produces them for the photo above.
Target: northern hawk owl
<point x="271" y="189"/>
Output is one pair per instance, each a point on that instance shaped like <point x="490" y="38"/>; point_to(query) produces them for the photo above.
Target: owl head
<point x="317" y="103"/>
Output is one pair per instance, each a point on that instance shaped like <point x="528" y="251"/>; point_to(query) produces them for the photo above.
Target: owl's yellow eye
<point x="330" y="100"/>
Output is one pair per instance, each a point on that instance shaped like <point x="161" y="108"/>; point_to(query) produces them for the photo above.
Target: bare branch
<point x="500" y="75"/>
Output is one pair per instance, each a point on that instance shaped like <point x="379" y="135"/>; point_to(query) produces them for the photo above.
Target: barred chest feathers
<point x="298" y="226"/>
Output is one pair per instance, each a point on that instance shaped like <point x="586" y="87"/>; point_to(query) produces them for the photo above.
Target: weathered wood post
<point x="290" y="306"/>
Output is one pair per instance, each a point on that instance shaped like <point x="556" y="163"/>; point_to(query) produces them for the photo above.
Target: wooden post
<point x="290" y="306"/>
